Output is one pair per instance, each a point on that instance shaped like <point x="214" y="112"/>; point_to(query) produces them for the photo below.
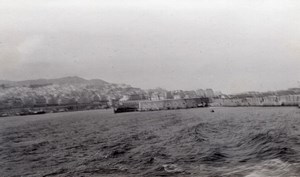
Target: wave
<point x="268" y="168"/>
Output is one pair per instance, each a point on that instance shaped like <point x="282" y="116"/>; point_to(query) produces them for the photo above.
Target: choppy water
<point x="251" y="142"/>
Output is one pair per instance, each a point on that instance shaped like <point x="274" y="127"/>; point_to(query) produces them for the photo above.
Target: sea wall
<point x="286" y="100"/>
<point x="173" y="104"/>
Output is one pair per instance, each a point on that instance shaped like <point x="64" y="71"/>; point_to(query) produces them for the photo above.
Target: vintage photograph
<point x="142" y="88"/>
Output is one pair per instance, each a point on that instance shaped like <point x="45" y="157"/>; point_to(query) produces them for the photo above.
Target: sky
<point x="228" y="45"/>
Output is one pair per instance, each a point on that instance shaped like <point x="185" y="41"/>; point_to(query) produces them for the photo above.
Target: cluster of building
<point x="160" y="94"/>
<point x="283" y="100"/>
<point x="137" y="99"/>
<point x="43" y="101"/>
<point x="289" y="97"/>
<point x="160" y="99"/>
<point x="29" y="105"/>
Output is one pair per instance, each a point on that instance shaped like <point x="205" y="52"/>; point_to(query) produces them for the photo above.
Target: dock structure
<point x="273" y="100"/>
<point x="148" y="105"/>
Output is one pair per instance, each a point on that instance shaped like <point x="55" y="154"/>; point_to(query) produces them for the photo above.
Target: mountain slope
<point x="66" y="90"/>
<point x="60" y="81"/>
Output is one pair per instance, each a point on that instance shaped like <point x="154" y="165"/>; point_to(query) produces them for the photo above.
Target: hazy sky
<point x="227" y="45"/>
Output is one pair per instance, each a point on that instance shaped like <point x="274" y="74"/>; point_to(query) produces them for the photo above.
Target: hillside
<point x="60" y="81"/>
<point x="67" y="90"/>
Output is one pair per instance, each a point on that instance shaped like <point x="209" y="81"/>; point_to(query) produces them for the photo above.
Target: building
<point x="12" y="103"/>
<point x="132" y="97"/>
<point x="168" y="95"/>
<point x="190" y="94"/>
<point x="178" y="94"/>
<point x="200" y="93"/>
<point x="209" y="93"/>
<point x="40" y="101"/>
<point x="52" y="100"/>
<point x="155" y="96"/>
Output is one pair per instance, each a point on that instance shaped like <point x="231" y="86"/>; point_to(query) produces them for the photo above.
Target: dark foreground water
<point x="196" y="142"/>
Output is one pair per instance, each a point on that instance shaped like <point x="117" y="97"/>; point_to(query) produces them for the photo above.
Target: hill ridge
<point x="59" y="81"/>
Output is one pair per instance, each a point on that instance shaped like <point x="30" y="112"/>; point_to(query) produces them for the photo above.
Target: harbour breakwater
<point x="173" y="104"/>
<point x="22" y="111"/>
<point x="284" y="100"/>
<point x="148" y="105"/>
